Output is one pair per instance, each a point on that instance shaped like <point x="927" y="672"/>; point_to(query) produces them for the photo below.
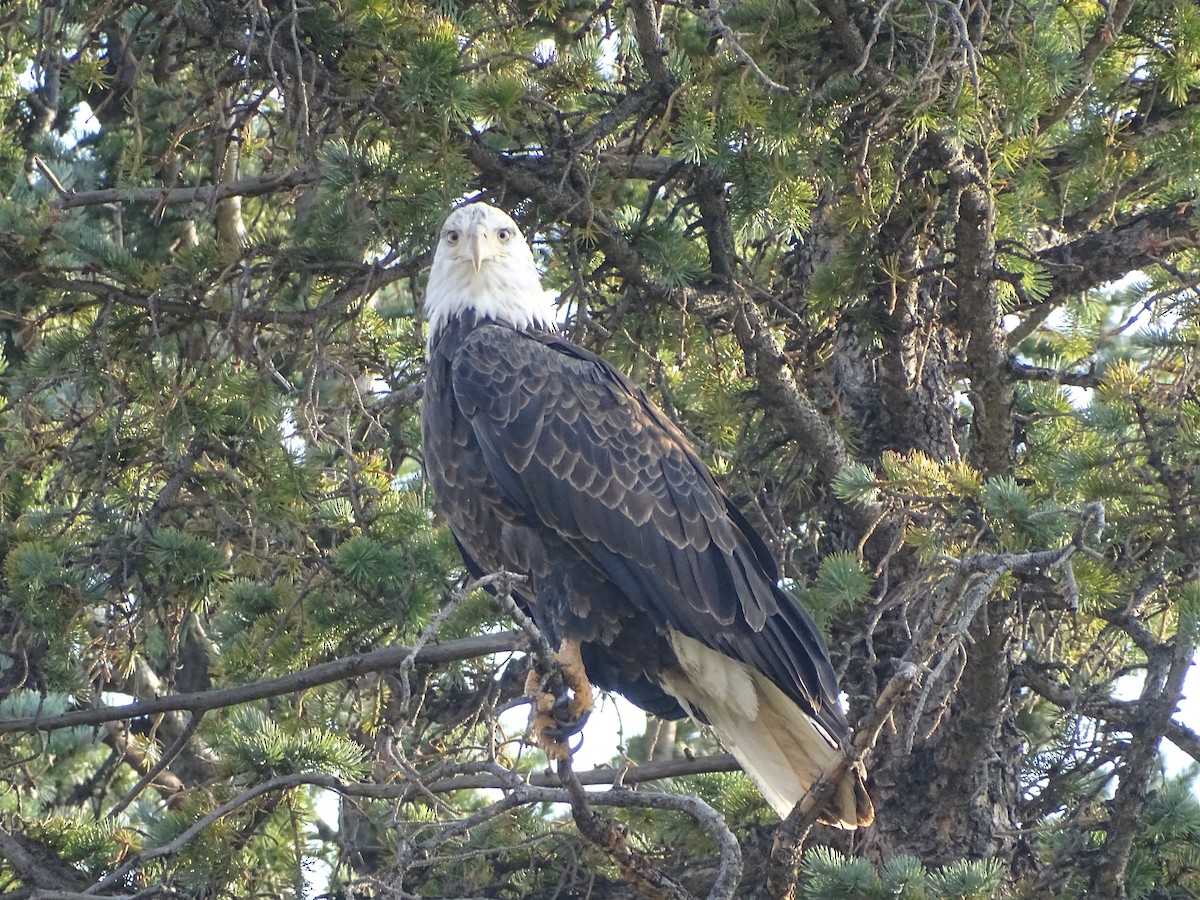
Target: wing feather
<point x="571" y="442"/>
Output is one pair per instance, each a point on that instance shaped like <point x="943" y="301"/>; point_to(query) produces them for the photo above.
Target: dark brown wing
<point x="579" y="449"/>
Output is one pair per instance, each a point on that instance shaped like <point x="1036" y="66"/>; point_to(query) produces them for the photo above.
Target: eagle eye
<point x="451" y="236"/>
<point x="503" y="234"/>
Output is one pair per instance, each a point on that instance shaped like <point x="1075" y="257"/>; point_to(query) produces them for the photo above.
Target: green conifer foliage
<point x="919" y="280"/>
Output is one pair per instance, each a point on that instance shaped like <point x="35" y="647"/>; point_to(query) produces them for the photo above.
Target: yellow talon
<point x="553" y="719"/>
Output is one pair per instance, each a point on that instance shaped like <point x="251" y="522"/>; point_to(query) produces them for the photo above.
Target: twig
<point x="48" y="173"/>
<point x="628" y="775"/>
<point x="505" y="580"/>
<point x="280" y="782"/>
<point x="520" y="792"/>
<point x="367" y="278"/>
<point x="168" y="756"/>
<point x="604" y="834"/>
<point x="793" y="832"/>
<point x="943" y="632"/>
<point x="1105" y="35"/>
<point x="713" y="14"/>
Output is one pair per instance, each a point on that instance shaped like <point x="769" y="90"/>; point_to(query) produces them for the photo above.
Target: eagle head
<point x="483" y="264"/>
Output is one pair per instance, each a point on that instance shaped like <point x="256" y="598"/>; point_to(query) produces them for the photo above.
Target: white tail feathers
<point x="781" y="748"/>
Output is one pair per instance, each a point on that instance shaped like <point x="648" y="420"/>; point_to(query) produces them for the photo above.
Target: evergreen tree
<point x="919" y="279"/>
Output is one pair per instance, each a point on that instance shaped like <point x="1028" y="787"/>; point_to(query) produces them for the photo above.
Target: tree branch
<point x="1138" y="242"/>
<point x="1184" y="738"/>
<point x="604" y="835"/>
<point x="314" y="676"/>
<point x="520" y="790"/>
<point x="246" y="187"/>
<point x="546" y="182"/>
<point x="1114" y="21"/>
<point x="36" y="865"/>
<point x="1125" y="714"/>
<point x="1158" y="703"/>
<point x="942" y="632"/>
<point x="1023" y="372"/>
<point x="366" y="279"/>
<point x="712" y="13"/>
<point x="640" y="774"/>
<point x="650" y="43"/>
<point x="151" y="775"/>
<point x="799" y="415"/>
<point x="991" y="390"/>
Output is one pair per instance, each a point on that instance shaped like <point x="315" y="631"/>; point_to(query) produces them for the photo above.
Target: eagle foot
<point x="562" y="711"/>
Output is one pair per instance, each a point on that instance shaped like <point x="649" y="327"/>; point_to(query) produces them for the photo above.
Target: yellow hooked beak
<point x="479" y="245"/>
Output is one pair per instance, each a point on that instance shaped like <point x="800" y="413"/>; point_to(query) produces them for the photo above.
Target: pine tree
<point x="918" y="279"/>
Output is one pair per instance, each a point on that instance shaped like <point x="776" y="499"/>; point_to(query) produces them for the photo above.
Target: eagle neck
<point x="509" y="295"/>
<point x="455" y="328"/>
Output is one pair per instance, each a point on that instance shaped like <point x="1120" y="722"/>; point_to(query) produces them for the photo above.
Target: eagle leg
<point x="558" y="716"/>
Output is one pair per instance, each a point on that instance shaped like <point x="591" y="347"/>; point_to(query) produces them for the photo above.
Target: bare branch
<point x="640" y="774"/>
<point x="246" y="187"/>
<point x="519" y="790"/>
<point x="713" y="14"/>
<point x="314" y="676"/>
<point x="1022" y="372"/>
<point x="365" y="280"/>
<point x="604" y="835"/>
<point x="1122" y="713"/>
<point x="1110" y="28"/>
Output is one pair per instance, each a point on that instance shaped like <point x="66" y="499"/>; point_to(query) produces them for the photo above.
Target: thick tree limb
<point x="36" y="865"/>
<point x="991" y="389"/>
<point x="1184" y="738"/>
<point x="767" y="361"/>
<point x="650" y="43"/>
<point x="1139" y="242"/>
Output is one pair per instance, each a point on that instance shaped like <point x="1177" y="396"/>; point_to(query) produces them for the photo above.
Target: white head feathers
<point x="483" y="264"/>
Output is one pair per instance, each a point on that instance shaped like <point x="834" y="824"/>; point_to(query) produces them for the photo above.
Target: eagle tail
<point x="781" y="748"/>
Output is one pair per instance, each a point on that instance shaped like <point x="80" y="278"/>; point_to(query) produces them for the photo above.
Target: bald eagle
<point x="548" y="462"/>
